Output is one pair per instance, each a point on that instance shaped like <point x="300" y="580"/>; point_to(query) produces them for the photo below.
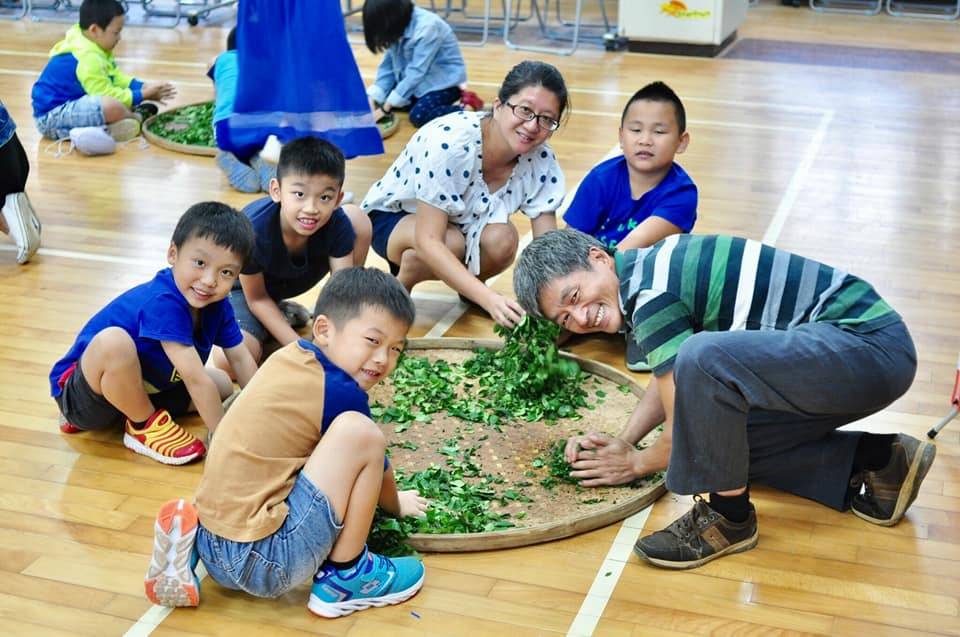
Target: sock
<point x="735" y="508"/>
<point x="873" y="452"/>
<point x="343" y="566"/>
<point x="140" y="425"/>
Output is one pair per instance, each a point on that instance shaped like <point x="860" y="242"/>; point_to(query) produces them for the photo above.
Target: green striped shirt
<point x="692" y="283"/>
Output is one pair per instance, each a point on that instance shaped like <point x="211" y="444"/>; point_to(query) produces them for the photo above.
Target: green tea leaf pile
<point x="525" y="380"/>
<point x="189" y="125"/>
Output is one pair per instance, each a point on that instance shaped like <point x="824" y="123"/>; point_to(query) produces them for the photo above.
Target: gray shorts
<point x="86" y="409"/>
<point x="245" y="318"/>
<point x="279" y="562"/>
<point x="84" y="111"/>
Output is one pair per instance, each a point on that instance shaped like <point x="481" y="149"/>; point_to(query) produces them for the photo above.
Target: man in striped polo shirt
<point x="759" y="355"/>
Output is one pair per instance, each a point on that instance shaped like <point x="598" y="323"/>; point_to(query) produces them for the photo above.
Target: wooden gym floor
<point x="854" y="166"/>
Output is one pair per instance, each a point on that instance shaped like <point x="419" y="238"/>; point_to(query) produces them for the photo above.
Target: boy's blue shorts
<point x="384" y="221"/>
<point x="292" y="555"/>
<point x="83" y="111"/>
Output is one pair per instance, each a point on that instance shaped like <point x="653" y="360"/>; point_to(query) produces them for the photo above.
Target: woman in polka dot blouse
<point x="442" y="210"/>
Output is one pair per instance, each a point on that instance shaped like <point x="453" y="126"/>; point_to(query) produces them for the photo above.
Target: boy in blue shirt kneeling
<point x="290" y="486"/>
<point x="139" y="361"/>
<point x="642" y="196"/>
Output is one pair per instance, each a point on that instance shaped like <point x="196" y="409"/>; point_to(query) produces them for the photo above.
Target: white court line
<point x="151" y="619"/>
<point x="607" y="577"/>
<point x="609" y="574"/>
<point x="125" y="60"/>
<point x="797" y="181"/>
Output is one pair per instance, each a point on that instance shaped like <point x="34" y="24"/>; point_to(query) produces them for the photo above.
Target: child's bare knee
<point x="359" y="220"/>
<point x="360" y="430"/>
<point x="113" y="109"/>
<point x="498" y="244"/>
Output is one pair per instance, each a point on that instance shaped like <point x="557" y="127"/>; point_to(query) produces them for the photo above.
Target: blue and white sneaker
<point x="266" y="171"/>
<point x="374" y="581"/>
<point x="241" y="176"/>
<point x="636" y="361"/>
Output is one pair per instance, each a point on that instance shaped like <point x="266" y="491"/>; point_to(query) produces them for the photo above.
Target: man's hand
<point x="159" y="91"/>
<point x="602" y="460"/>
<point x="412" y="503"/>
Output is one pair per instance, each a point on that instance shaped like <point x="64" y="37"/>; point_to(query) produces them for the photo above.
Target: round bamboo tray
<point x="162" y="142"/>
<point x="563" y="523"/>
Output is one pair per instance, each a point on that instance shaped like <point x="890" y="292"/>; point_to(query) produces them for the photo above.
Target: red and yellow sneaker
<point x="163" y="440"/>
<point x="67" y="427"/>
<point x="171" y="578"/>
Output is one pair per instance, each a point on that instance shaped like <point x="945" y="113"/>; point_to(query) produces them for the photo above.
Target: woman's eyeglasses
<point x="526" y="114"/>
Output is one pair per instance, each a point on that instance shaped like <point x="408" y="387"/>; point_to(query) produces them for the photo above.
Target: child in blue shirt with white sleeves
<point x="422" y="70"/>
<point x="642" y="196"/>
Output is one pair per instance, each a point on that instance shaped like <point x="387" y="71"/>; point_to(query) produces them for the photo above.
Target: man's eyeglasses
<point x="526" y="114"/>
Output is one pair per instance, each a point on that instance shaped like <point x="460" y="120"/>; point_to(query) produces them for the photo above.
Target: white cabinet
<point x="698" y="27"/>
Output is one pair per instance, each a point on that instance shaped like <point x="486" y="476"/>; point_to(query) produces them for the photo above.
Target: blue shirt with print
<point x="427" y="58"/>
<point x="605" y="208"/>
<point x="150" y="313"/>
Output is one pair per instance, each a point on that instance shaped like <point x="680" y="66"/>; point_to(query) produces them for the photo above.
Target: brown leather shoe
<point x="890" y="491"/>
<point x="697" y="537"/>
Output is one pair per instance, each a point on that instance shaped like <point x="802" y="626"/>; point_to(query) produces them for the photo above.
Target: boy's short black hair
<point x="658" y="92"/>
<point x="218" y="222"/>
<point x="232" y="39"/>
<point x="384" y="22"/>
<point x="99" y="12"/>
<point x="350" y="290"/>
<point x="311" y="156"/>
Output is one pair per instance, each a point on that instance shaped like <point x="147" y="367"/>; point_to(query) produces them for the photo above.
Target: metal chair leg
<point x="847" y="6"/>
<point x="930" y="12"/>
<point x="24" y="9"/>
<point x="544" y="49"/>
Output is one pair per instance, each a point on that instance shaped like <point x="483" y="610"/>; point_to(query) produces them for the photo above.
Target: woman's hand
<point x="503" y="310"/>
<point x="412" y="503"/>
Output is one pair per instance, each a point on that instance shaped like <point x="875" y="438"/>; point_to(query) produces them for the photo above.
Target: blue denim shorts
<point x="83" y="111"/>
<point x="245" y="318"/>
<point x="292" y="555"/>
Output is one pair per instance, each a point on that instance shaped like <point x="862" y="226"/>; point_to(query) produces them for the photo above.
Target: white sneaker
<point x="92" y="140"/>
<point x="23" y="223"/>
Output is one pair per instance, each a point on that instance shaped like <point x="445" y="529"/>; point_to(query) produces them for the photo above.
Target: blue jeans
<point x="277" y="563"/>
<point x="78" y="113"/>
<point x="764" y="406"/>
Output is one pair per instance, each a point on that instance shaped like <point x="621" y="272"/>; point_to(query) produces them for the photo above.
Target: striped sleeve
<point x="661" y="323"/>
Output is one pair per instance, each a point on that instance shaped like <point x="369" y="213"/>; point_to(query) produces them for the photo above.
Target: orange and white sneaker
<point x="163" y="440"/>
<point x="171" y="580"/>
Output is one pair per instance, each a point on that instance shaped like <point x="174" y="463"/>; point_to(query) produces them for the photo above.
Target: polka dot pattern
<point x="443" y="166"/>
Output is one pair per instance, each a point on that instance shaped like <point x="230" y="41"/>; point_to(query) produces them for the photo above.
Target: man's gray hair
<point x="550" y="256"/>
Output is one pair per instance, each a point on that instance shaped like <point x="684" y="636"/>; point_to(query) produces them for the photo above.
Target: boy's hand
<point x="412" y="503"/>
<point x="159" y="91"/>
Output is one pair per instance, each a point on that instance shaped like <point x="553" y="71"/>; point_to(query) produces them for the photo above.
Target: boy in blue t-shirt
<point x="642" y="196"/>
<point x="302" y="233"/>
<point x="140" y="360"/>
